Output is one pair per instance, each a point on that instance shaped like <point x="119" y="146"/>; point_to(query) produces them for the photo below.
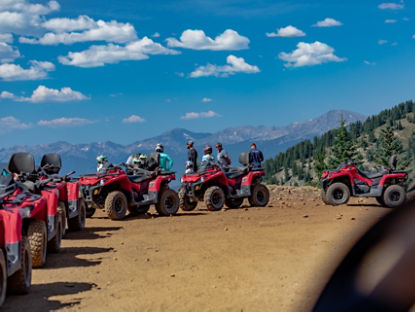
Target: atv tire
<point x="54" y="245"/>
<point x="338" y="194"/>
<point x="21" y="280"/>
<point x="116" y="205"/>
<point x="3" y="277"/>
<point x="62" y="213"/>
<point x="78" y="223"/>
<point x="234" y="202"/>
<point x="184" y="203"/>
<point x="90" y="211"/>
<point x="394" y="196"/>
<point x="259" y="196"/>
<point x="37" y="236"/>
<point x="324" y="196"/>
<point x="137" y="210"/>
<point x="168" y="203"/>
<point x="214" y="198"/>
<point x="380" y="201"/>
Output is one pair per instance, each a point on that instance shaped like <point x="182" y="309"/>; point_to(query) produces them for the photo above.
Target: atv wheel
<point x="394" y="196"/>
<point x="234" y="202"/>
<point x="62" y="213"/>
<point x="380" y="201"/>
<point x="184" y="203"/>
<point x="3" y="277"/>
<point x="116" y="205"/>
<point x="338" y="194"/>
<point x="137" y="210"/>
<point x="90" y="211"/>
<point x="168" y="203"/>
<point x="214" y="198"/>
<point x="324" y="196"/>
<point x="37" y="236"/>
<point x="54" y="245"/>
<point x="78" y="223"/>
<point x="259" y="196"/>
<point x="21" y="280"/>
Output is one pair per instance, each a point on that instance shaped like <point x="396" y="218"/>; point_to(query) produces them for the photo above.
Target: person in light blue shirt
<point x="165" y="161"/>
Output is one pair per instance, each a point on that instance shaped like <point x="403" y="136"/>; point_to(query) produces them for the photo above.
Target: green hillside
<point x="301" y="164"/>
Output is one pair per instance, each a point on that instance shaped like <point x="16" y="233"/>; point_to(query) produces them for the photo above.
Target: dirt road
<point x="274" y="258"/>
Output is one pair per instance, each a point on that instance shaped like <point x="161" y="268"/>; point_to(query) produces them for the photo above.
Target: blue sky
<point x="83" y="71"/>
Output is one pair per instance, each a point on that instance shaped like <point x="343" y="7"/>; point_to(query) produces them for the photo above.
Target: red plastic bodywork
<point x="352" y="173"/>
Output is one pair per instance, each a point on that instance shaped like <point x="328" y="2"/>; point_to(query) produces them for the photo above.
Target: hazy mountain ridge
<point x="81" y="157"/>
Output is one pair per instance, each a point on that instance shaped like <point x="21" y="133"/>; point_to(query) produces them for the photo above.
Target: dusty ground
<point x="275" y="258"/>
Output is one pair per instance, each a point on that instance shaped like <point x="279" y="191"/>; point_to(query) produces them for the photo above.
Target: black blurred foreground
<point x="378" y="274"/>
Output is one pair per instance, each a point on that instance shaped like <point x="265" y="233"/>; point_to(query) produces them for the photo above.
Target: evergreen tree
<point x="389" y="145"/>
<point x="344" y="148"/>
<point x="320" y="163"/>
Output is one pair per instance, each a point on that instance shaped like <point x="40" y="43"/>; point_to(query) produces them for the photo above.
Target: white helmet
<point x="159" y="148"/>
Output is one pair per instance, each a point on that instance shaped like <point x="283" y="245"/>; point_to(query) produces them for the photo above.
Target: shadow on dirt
<point x="92" y="233"/>
<point x="68" y="257"/>
<point x="367" y="205"/>
<point x="38" y="298"/>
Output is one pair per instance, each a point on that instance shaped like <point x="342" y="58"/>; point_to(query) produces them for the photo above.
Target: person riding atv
<point x="103" y="164"/>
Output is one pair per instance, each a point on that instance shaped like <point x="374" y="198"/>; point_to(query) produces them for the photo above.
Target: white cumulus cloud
<point x="99" y="55"/>
<point x="37" y="70"/>
<point x="194" y="115"/>
<point x="133" y="119"/>
<point x="100" y="30"/>
<point x="235" y="65"/>
<point x="309" y="54"/>
<point x="8" y="53"/>
<point x="382" y="41"/>
<point x="328" y="22"/>
<point x="206" y="100"/>
<point x="44" y="94"/>
<point x="391" y="6"/>
<point x="65" y="122"/>
<point x="22" y="17"/>
<point x="390" y="21"/>
<point x="12" y="123"/>
<point x="8" y="38"/>
<point x="289" y="31"/>
<point x="197" y="40"/>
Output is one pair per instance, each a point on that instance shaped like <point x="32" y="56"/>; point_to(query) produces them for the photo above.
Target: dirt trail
<point x="275" y="258"/>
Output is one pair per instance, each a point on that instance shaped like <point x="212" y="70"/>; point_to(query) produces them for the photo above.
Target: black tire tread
<point x="37" y="236"/>
<point x="208" y="198"/>
<point x="109" y="205"/>
<point x="253" y="201"/>
<point x="160" y="207"/>
<point x="184" y="204"/>
<point x="19" y="283"/>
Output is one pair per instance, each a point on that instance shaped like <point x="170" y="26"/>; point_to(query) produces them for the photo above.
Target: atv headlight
<point x="197" y="187"/>
<point x="102" y="182"/>
<point x="96" y="192"/>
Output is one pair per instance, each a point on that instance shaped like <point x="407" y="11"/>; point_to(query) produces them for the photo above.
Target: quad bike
<point x="216" y="188"/>
<point x="44" y="221"/>
<point x="17" y="211"/>
<point x="387" y="185"/>
<point x="116" y="192"/>
<point x="71" y="205"/>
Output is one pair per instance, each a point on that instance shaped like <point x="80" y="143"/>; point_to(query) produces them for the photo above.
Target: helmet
<point x="207" y="149"/>
<point x="189" y="164"/>
<point x="136" y="160"/>
<point x="101" y="159"/>
<point x="159" y="148"/>
<point x="190" y="142"/>
<point x="143" y="156"/>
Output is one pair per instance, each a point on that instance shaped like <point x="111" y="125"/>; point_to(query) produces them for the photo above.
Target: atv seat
<point x="236" y="172"/>
<point x="52" y="163"/>
<point x="373" y="175"/>
<point x="22" y="163"/>
<point x="139" y="178"/>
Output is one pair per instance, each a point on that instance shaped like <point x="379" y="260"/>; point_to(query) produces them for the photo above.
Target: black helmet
<point x="159" y="148"/>
<point x="190" y="142"/>
<point x="207" y="149"/>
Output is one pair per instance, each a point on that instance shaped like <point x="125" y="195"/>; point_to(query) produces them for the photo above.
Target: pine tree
<point x="344" y="148"/>
<point x="389" y="145"/>
<point x="320" y="163"/>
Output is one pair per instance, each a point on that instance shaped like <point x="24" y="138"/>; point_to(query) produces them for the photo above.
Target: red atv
<point x="216" y="188"/>
<point x="15" y="255"/>
<point x="44" y="228"/>
<point x="387" y="185"/>
<point x="71" y="203"/>
<point x="116" y="192"/>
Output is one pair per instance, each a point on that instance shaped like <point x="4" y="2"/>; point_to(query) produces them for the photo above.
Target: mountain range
<point x="270" y="139"/>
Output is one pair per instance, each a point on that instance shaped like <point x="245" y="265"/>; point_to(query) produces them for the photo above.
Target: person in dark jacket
<point x="192" y="154"/>
<point x="255" y="157"/>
